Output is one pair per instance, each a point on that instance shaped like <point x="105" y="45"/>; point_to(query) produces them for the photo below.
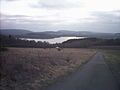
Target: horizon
<point x="61" y="30"/>
<point x="54" y="15"/>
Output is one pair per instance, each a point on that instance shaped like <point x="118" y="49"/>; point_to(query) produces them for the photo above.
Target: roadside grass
<point x="112" y="58"/>
<point x="34" y="68"/>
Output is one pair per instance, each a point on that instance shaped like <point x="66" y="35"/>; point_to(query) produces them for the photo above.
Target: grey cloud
<point x="55" y="4"/>
<point x="29" y="26"/>
<point x="27" y="19"/>
<point x="115" y="11"/>
<point x="9" y="0"/>
<point x="108" y="17"/>
<point x="15" y="16"/>
<point x="105" y="22"/>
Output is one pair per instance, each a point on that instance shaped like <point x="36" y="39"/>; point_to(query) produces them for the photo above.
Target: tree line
<point x="11" y="41"/>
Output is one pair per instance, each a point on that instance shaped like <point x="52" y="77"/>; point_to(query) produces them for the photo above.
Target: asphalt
<point x="95" y="75"/>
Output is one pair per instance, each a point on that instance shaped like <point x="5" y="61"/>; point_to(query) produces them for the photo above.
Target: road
<point x="95" y="75"/>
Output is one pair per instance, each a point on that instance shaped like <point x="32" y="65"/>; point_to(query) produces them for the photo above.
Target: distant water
<point x="53" y="40"/>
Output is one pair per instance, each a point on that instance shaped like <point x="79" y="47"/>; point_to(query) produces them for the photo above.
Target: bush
<point x="3" y="49"/>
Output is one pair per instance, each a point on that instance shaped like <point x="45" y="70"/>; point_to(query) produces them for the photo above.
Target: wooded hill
<point x="11" y="41"/>
<point x="54" y="34"/>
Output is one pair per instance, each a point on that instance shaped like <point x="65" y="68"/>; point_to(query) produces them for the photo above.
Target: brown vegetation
<point x="33" y="68"/>
<point x="112" y="58"/>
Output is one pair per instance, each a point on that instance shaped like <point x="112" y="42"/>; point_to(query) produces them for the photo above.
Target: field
<point x="112" y="58"/>
<point x="33" y="68"/>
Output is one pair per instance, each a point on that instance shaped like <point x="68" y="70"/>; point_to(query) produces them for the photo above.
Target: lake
<point x="53" y="40"/>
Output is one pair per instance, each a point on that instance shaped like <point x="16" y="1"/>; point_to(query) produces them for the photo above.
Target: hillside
<point x="61" y="33"/>
<point x="11" y="41"/>
<point x="14" y="31"/>
<point x="90" y="42"/>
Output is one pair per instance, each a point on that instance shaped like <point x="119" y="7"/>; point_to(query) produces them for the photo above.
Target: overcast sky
<point x="46" y="15"/>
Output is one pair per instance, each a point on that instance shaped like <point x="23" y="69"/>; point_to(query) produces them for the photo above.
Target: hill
<point x="64" y="33"/>
<point x="90" y="42"/>
<point x="54" y="34"/>
<point x="14" y="31"/>
<point x="11" y="41"/>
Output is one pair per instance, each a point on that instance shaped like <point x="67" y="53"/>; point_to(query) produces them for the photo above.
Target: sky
<point x="53" y="15"/>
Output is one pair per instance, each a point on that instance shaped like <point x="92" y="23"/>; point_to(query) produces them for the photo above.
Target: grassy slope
<point x="33" y="68"/>
<point x="112" y="57"/>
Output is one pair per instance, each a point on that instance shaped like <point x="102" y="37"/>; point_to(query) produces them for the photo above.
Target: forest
<point x="11" y="41"/>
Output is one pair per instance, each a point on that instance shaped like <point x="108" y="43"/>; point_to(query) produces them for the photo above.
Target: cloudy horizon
<point x="54" y="15"/>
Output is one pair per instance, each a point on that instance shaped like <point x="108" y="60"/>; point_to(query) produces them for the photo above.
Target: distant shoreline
<point x="53" y="40"/>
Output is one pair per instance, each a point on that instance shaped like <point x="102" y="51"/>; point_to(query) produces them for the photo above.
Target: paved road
<point x="95" y="75"/>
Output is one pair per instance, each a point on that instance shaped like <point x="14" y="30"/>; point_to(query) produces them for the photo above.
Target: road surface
<point x="95" y="75"/>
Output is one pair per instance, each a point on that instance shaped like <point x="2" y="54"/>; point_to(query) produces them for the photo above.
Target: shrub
<point x="3" y="48"/>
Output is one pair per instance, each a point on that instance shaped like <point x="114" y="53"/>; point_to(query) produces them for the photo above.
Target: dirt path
<point x="95" y="75"/>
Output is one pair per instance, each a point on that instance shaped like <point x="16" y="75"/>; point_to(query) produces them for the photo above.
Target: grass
<point x="33" y="68"/>
<point x="3" y="49"/>
<point x="112" y="57"/>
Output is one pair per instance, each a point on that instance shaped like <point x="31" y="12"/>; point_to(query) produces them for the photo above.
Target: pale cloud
<point x="58" y="4"/>
<point x="59" y="14"/>
<point x="101" y="5"/>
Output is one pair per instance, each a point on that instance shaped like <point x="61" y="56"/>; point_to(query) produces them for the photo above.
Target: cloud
<point x="9" y="0"/>
<point x="100" y="22"/>
<point x="58" y="4"/>
<point x="37" y="15"/>
<point x="108" y="17"/>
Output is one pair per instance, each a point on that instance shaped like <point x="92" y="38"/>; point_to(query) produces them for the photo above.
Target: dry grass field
<point x="33" y="68"/>
<point x="112" y="58"/>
